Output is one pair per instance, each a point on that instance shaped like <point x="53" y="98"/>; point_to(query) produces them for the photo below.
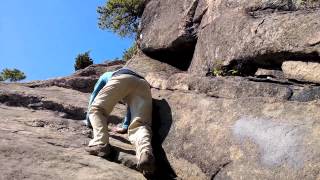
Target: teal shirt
<point x="103" y="80"/>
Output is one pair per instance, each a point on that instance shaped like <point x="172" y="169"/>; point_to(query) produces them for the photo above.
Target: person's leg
<point x="140" y="102"/>
<point x="100" y="109"/>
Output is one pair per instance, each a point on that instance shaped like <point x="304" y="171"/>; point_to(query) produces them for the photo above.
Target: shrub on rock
<point x="12" y="75"/>
<point x="83" y="60"/>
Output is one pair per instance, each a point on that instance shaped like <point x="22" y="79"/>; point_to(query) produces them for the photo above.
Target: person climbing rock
<point x="123" y="84"/>
<point x="123" y="128"/>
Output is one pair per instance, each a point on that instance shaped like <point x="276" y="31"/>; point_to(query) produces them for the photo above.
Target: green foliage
<point x="220" y="70"/>
<point x="83" y="60"/>
<point x="121" y="16"/>
<point x="12" y="75"/>
<point x="129" y="53"/>
<point x="217" y="72"/>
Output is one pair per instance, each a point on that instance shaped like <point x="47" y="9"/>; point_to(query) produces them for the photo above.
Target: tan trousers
<point x="136" y="93"/>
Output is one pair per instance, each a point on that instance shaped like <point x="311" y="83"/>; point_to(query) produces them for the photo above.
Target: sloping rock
<point x="73" y="104"/>
<point x="302" y="71"/>
<point x="57" y="108"/>
<point x="42" y="145"/>
<point x="256" y="33"/>
<point x="82" y="80"/>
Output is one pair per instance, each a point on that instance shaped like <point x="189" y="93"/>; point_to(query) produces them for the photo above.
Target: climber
<point x="134" y="90"/>
<point x="123" y="128"/>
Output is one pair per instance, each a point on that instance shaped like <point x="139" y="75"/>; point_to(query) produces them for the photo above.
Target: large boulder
<point x="169" y="30"/>
<point x="164" y="24"/>
<point x="257" y="33"/>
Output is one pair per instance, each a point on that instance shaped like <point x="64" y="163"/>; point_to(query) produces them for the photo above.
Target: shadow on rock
<point x="161" y="124"/>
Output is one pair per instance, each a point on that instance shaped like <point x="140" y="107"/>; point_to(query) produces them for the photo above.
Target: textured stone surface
<point x="225" y="87"/>
<point x="303" y="71"/>
<point x="264" y="33"/>
<point x="144" y="65"/>
<point x="306" y="94"/>
<point x="82" y="80"/>
<point x="42" y="145"/>
<point x="169" y="30"/>
<point x="196" y="136"/>
<point x="248" y="138"/>
<point x="167" y="25"/>
<point x="277" y="74"/>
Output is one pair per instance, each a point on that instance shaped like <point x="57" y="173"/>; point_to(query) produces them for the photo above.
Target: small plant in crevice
<point x="235" y="68"/>
<point x="220" y="70"/>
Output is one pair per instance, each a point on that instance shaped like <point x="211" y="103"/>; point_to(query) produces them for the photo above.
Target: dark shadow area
<point x="119" y="138"/>
<point x="114" y="119"/>
<point x="179" y="57"/>
<point x="114" y="157"/>
<point x="161" y="124"/>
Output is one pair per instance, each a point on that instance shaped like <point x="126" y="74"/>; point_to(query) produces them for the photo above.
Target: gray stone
<point x="306" y="94"/>
<point x="165" y="25"/>
<point x="225" y="87"/>
<point x="277" y="74"/>
<point x="143" y="65"/>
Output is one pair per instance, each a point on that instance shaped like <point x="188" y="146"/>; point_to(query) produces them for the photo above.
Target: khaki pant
<point x="136" y="93"/>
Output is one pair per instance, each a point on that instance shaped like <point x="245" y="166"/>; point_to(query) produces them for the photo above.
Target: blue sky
<point x="43" y="37"/>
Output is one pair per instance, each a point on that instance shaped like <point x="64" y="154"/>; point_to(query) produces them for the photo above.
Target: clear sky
<point x="43" y="37"/>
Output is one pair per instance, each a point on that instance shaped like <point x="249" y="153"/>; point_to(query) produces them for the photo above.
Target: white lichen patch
<point x="279" y="143"/>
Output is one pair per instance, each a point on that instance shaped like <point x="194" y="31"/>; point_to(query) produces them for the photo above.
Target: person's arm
<point x="98" y="86"/>
<point x="127" y="119"/>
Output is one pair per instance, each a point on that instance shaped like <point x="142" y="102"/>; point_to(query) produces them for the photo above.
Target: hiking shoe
<point x="102" y="150"/>
<point x="146" y="163"/>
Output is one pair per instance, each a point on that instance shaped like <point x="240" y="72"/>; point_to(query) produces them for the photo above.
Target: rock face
<point x="240" y="131"/>
<point x="303" y="71"/>
<point x="264" y="33"/>
<point x="250" y="138"/>
<point x="263" y="125"/>
<point x="168" y="31"/>
<point x="241" y="34"/>
<point x="203" y="128"/>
